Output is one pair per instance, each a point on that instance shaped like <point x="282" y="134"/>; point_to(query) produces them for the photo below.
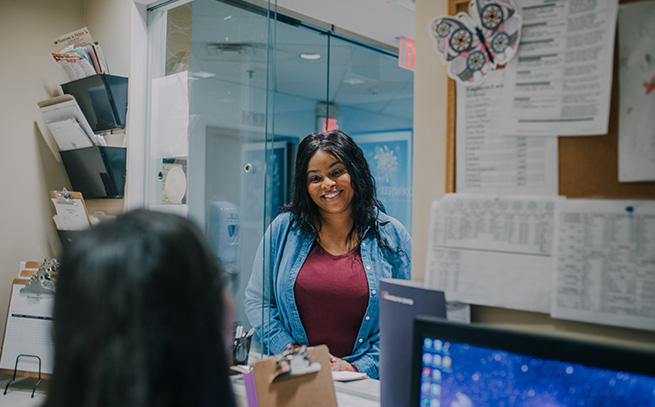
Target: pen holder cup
<point x="240" y="350"/>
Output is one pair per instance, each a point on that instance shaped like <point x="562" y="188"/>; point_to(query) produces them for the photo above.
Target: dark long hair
<point x="365" y="203"/>
<point x="139" y="317"/>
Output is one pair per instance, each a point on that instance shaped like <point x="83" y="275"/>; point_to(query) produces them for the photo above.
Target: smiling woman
<point x="328" y="184"/>
<point x="325" y="255"/>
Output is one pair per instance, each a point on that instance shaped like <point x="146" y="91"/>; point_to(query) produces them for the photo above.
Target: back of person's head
<point x="139" y="317"/>
<point x="342" y="146"/>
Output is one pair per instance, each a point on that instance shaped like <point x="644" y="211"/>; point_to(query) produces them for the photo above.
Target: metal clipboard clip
<point x="294" y="362"/>
<point x="64" y="196"/>
<point x="44" y="280"/>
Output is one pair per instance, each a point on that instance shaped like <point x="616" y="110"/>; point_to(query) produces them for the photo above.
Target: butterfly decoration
<point x="473" y="45"/>
<point x="650" y="86"/>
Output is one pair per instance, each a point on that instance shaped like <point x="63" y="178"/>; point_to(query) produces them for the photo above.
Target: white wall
<point x="386" y="19"/>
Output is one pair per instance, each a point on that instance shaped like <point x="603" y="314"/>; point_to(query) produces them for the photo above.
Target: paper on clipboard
<point x="71" y="210"/>
<point x="70" y="215"/>
<point x="345" y="376"/>
<point x="65" y="107"/>
<point x="28" y="331"/>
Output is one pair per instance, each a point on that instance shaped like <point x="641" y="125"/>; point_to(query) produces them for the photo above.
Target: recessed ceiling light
<point x="203" y="75"/>
<point x="353" y="81"/>
<point x="310" y="56"/>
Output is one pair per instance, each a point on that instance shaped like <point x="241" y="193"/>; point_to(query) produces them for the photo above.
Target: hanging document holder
<point x="96" y="172"/>
<point x="102" y="98"/>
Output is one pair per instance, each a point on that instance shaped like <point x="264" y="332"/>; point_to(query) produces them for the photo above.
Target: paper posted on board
<point x="637" y="92"/>
<point x="605" y="262"/>
<point x="489" y="161"/>
<point x="492" y="250"/>
<point x="561" y="80"/>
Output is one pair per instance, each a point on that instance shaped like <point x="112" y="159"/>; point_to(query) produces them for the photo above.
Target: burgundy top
<point x="332" y="296"/>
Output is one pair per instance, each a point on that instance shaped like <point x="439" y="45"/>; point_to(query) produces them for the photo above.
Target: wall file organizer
<point x="102" y="98"/>
<point x="96" y="172"/>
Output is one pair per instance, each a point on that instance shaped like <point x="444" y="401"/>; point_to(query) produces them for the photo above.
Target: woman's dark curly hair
<point x="139" y="317"/>
<point x="365" y="203"/>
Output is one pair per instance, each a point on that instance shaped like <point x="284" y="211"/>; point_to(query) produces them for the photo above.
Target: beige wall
<point x="29" y="168"/>
<point x="429" y="181"/>
<point x="429" y="131"/>
<point x="109" y="23"/>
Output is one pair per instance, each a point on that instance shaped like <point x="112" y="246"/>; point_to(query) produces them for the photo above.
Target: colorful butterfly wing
<point x="460" y="48"/>
<point x="452" y="36"/>
<point x="500" y="25"/>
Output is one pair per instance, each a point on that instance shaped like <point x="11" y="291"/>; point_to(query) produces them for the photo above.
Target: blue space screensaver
<point x="460" y="375"/>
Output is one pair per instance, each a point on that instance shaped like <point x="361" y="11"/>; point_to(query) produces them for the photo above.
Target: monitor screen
<point x="461" y="365"/>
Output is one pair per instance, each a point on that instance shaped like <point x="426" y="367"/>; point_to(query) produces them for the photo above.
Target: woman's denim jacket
<point x="270" y="302"/>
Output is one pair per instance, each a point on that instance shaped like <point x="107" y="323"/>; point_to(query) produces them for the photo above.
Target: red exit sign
<point x="406" y="52"/>
<point x="329" y="124"/>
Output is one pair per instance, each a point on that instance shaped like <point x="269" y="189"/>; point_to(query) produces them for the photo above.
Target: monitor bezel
<point x="536" y="345"/>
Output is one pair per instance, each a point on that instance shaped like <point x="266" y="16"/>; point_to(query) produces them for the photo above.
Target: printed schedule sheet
<point x="492" y="250"/>
<point x="605" y="268"/>
<point x="561" y="81"/>
<point x="488" y="160"/>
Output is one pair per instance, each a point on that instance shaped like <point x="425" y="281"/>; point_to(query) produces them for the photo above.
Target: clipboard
<point x="28" y="268"/>
<point x="315" y="388"/>
<point x="6" y="365"/>
<point x="72" y="219"/>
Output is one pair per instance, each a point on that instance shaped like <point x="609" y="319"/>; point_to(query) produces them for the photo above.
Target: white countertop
<point x="19" y="393"/>
<point x="359" y="393"/>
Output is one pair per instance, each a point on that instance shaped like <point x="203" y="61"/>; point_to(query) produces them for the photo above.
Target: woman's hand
<point x="340" y="364"/>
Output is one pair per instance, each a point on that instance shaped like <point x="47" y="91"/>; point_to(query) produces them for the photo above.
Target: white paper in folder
<point x="58" y="112"/>
<point x="69" y="135"/>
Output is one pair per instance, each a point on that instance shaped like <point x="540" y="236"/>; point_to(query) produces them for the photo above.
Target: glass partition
<point x="371" y="99"/>
<point x="241" y="167"/>
<point x="257" y="83"/>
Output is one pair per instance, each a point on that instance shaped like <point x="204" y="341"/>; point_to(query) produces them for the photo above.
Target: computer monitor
<point x="456" y="364"/>
<point x="400" y="302"/>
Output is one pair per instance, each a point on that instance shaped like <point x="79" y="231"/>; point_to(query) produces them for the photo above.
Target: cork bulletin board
<point x="588" y="165"/>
